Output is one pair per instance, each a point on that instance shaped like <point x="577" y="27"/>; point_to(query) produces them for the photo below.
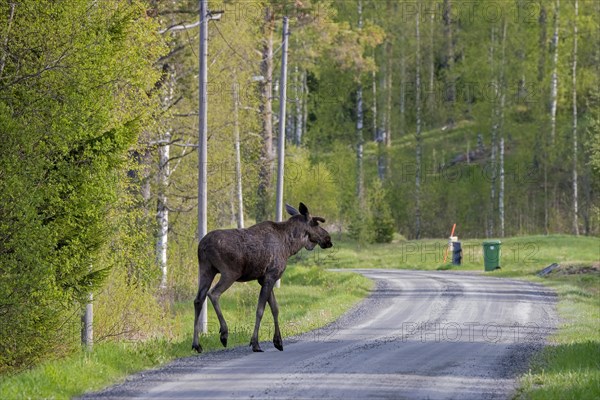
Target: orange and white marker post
<point x="452" y="239"/>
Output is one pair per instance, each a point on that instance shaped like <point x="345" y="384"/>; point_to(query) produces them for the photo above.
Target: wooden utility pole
<point x="87" y="328"/>
<point x="281" y="140"/>
<point x="282" y="103"/>
<point x="202" y="136"/>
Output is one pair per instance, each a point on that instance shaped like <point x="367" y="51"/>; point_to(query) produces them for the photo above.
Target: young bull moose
<point x="257" y="253"/>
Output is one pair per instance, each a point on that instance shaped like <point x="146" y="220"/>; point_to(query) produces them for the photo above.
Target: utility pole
<point x="205" y="16"/>
<point x="202" y="135"/>
<point x="281" y="140"/>
<point x="87" y="323"/>
<point x="282" y="103"/>
<point x="87" y="329"/>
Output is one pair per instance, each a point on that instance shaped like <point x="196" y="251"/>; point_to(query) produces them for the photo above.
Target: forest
<point x="402" y="118"/>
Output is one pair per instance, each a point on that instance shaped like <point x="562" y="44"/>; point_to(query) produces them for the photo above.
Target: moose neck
<point x="294" y="238"/>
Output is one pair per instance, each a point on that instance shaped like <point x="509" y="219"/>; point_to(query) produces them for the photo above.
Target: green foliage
<point x="74" y="100"/>
<point x="310" y="183"/>
<point x="381" y="221"/>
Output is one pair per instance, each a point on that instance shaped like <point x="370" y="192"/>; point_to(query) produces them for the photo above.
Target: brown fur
<point x="257" y="253"/>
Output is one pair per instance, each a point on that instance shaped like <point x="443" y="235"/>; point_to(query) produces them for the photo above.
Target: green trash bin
<point x="491" y="254"/>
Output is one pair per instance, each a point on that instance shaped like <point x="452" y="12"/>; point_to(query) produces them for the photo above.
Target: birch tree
<point x="418" y="129"/>
<point x="574" y="100"/>
<point x="360" y="190"/>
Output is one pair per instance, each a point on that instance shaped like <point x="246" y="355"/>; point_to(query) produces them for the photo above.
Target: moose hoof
<point x="278" y="343"/>
<point x="197" y="347"/>
<point x="256" y="348"/>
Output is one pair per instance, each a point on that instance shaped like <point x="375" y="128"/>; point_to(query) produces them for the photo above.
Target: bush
<point x="381" y="223"/>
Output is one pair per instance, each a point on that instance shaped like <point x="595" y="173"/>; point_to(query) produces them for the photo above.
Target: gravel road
<point x="420" y="335"/>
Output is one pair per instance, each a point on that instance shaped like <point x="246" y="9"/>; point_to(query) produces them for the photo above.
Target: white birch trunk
<point x="162" y="214"/>
<point x="501" y="192"/>
<point x="494" y="139"/>
<point x="388" y="103"/>
<point x="299" y="85"/>
<point x="418" y="131"/>
<point x="374" y="104"/>
<point x="554" y="82"/>
<point x="359" y="129"/>
<point x="450" y="83"/>
<point x="304" y="104"/>
<point x="502" y="85"/>
<point x="575" y="196"/>
<point x="238" y="160"/>
<point x="431" y="96"/>
<point x="163" y="175"/>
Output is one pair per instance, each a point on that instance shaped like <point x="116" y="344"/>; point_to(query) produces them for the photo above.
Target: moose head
<point x="312" y="230"/>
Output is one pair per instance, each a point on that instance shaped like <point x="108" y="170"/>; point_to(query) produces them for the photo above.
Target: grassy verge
<point x="569" y="368"/>
<point x="309" y="297"/>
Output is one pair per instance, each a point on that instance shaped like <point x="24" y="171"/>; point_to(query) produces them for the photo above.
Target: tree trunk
<point x="553" y="106"/>
<point x="491" y="215"/>
<point x="431" y="95"/>
<point x="304" y="104"/>
<point x="403" y="82"/>
<point x="162" y="213"/>
<point x="163" y="175"/>
<point x="554" y="84"/>
<point x="374" y="104"/>
<point x="542" y="43"/>
<point x="575" y="197"/>
<point x="542" y="137"/>
<point x="450" y="87"/>
<point x="418" y="131"/>
<point x="266" y="90"/>
<point x="387" y="114"/>
<point x="388" y="103"/>
<point x="360" y="191"/>
<point x="388" y="91"/>
<point x="502" y="85"/>
<point x="238" y="161"/>
<point x="6" y="37"/>
<point x="299" y="84"/>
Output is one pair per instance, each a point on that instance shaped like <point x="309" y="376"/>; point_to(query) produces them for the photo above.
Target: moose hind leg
<point x="224" y="283"/>
<point x="205" y="281"/>
<point x="265" y="293"/>
<point x="277" y="341"/>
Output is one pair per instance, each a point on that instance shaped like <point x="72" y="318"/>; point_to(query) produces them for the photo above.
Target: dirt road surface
<point x="420" y="335"/>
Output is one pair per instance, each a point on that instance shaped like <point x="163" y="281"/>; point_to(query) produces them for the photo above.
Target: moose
<point x="256" y="253"/>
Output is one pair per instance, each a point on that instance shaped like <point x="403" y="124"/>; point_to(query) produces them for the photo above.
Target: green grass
<point x="569" y="368"/>
<point x="520" y="256"/>
<point x="309" y="297"/>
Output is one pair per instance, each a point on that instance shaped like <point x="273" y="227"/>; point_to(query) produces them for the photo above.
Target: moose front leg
<point x="263" y="297"/>
<point x="277" y="342"/>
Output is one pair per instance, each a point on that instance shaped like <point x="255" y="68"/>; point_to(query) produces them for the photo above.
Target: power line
<point x="240" y="55"/>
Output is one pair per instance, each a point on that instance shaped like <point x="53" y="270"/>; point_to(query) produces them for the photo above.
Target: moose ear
<point x="291" y="210"/>
<point x="303" y="210"/>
